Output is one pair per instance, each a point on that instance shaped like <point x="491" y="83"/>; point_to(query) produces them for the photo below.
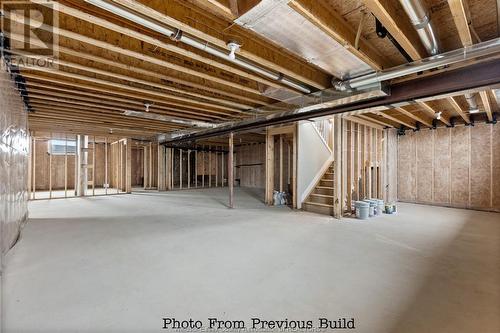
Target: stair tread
<point x="322" y="195"/>
<point x="326" y="180"/>
<point x="318" y="204"/>
<point x="325" y="187"/>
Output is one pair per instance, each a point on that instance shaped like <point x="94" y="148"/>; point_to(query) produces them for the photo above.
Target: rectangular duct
<point x="302" y="38"/>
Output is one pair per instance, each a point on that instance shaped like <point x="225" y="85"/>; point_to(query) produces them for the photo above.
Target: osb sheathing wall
<point x="52" y="169"/>
<point x="250" y="167"/>
<point x="455" y="167"/>
<point x="14" y="162"/>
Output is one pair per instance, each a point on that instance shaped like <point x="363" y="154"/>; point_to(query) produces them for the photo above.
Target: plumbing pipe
<point x="178" y="35"/>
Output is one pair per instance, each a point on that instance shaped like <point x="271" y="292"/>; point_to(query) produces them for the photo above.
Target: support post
<point x="50" y="167"/>
<point x="230" y="169"/>
<point x="337" y="151"/>
<point x="106" y="183"/>
<point x="66" y="166"/>
<point x="128" y="166"/>
<point x="83" y="146"/>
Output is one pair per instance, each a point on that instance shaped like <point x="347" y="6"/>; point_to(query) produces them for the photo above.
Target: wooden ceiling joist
<point x="362" y="121"/>
<point x="117" y="101"/>
<point x="397" y="120"/>
<point x="144" y="55"/>
<point x="217" y="92"/>
<point x="458" y="109"/>
<point x="395" y="20"/>
<point x="337" y="28"/>
<point x="414" y="116"/>
<point x="433" y="113"/>
<point x="196" y="22"/>
<point x="366" y="117"/>
<point x="133" y="88"/>
<point x="133" y="80"/>
<point x="461" y="17"/>
<point x="144" y="97"/>
<point x="486" y="104"/>
<point x="168" y="46"/>
<point x="56" y="97"/>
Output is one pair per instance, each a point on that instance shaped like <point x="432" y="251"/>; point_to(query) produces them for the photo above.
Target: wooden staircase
<point x="320" y="200"/>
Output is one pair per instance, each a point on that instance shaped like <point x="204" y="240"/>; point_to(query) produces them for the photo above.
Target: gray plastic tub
<point x="373" y="206"/>
<point x="362" y="210"/>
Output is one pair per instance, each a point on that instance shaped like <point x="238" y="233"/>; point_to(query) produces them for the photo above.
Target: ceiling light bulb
<point x="476" y="110"/>
<point x="233" y="47"/>
<point x="438" y="115"/>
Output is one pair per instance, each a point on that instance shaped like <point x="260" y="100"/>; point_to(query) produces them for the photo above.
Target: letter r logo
<point x="31" y="26"/>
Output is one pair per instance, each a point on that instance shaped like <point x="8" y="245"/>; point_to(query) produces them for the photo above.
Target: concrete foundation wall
<point x="454" y="167"/>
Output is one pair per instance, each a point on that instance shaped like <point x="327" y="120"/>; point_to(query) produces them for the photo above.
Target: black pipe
<point x="465" y="78"/>
<point x="382" y="33"/>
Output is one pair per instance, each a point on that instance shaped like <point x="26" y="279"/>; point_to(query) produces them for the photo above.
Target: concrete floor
<point x="122" y="263"/>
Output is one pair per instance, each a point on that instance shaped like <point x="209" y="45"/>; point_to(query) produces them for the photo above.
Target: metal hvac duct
<point x="421" y="20"/>
<point x="180" y="36"/>
<point x="488" y="48"/>
<point x="471" y="101"/>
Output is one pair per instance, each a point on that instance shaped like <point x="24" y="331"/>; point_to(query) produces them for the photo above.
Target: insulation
<point x="424" y="170"/>
<point x="460" y="156"/>
<point x="442" y="164"/>
<point x="302" y="38"/>
<point x="406" y="168"/>
<point x="13" y="163"/>
<point x="456" y="167"/>
<point x="480" y="176"/>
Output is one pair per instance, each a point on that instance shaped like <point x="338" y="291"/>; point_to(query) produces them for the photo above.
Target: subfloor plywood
<point x="122" y="263"/>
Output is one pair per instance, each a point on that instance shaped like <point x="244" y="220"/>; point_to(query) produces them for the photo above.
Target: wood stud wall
<point x="51" y="173"/>
<point x="453" y="167"/>
<point x="367" y="171"/>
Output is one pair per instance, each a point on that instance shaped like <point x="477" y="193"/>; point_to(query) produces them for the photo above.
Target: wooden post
<point x="128" y="166"/>
<point x="189" y="169"/>
<point x="269" y="168"/>
<point x="34" y="168"/>
<point x="30" y="167"/>
<point x="203" y="167"/>
<point x="216" y="167"/>
<point x="106" y="184"/>
<point x="337" y="150"/>
<point x="120" y="167"/>
<point x="93" y="166"/>
<point x="209" y="167"/>
<point x="82" y="165"/>
<point x="196" y="168"/>
<point x="294" y="167"/>
<point x="349" y="155"/>
<point x="150" y="171"/>
<point x="180" y="169"/>
<point x="50" y="167"/>
<point x="66" y="166"/>
<point x="281" y="163"/>
<point x="222" y="168"/>
<point x="230" y="170"/>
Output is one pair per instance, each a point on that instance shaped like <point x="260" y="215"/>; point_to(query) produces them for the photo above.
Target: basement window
<point x="58" y="147"/>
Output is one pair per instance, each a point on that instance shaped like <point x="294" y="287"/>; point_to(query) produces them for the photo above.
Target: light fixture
<point x="476" y="110"/>
<point x="179" y="36"/>
<point x="147" y="105"/>
<point x="168" y="119"/>
<point x="438" y="115"/>
<point x="233" y="47"/>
